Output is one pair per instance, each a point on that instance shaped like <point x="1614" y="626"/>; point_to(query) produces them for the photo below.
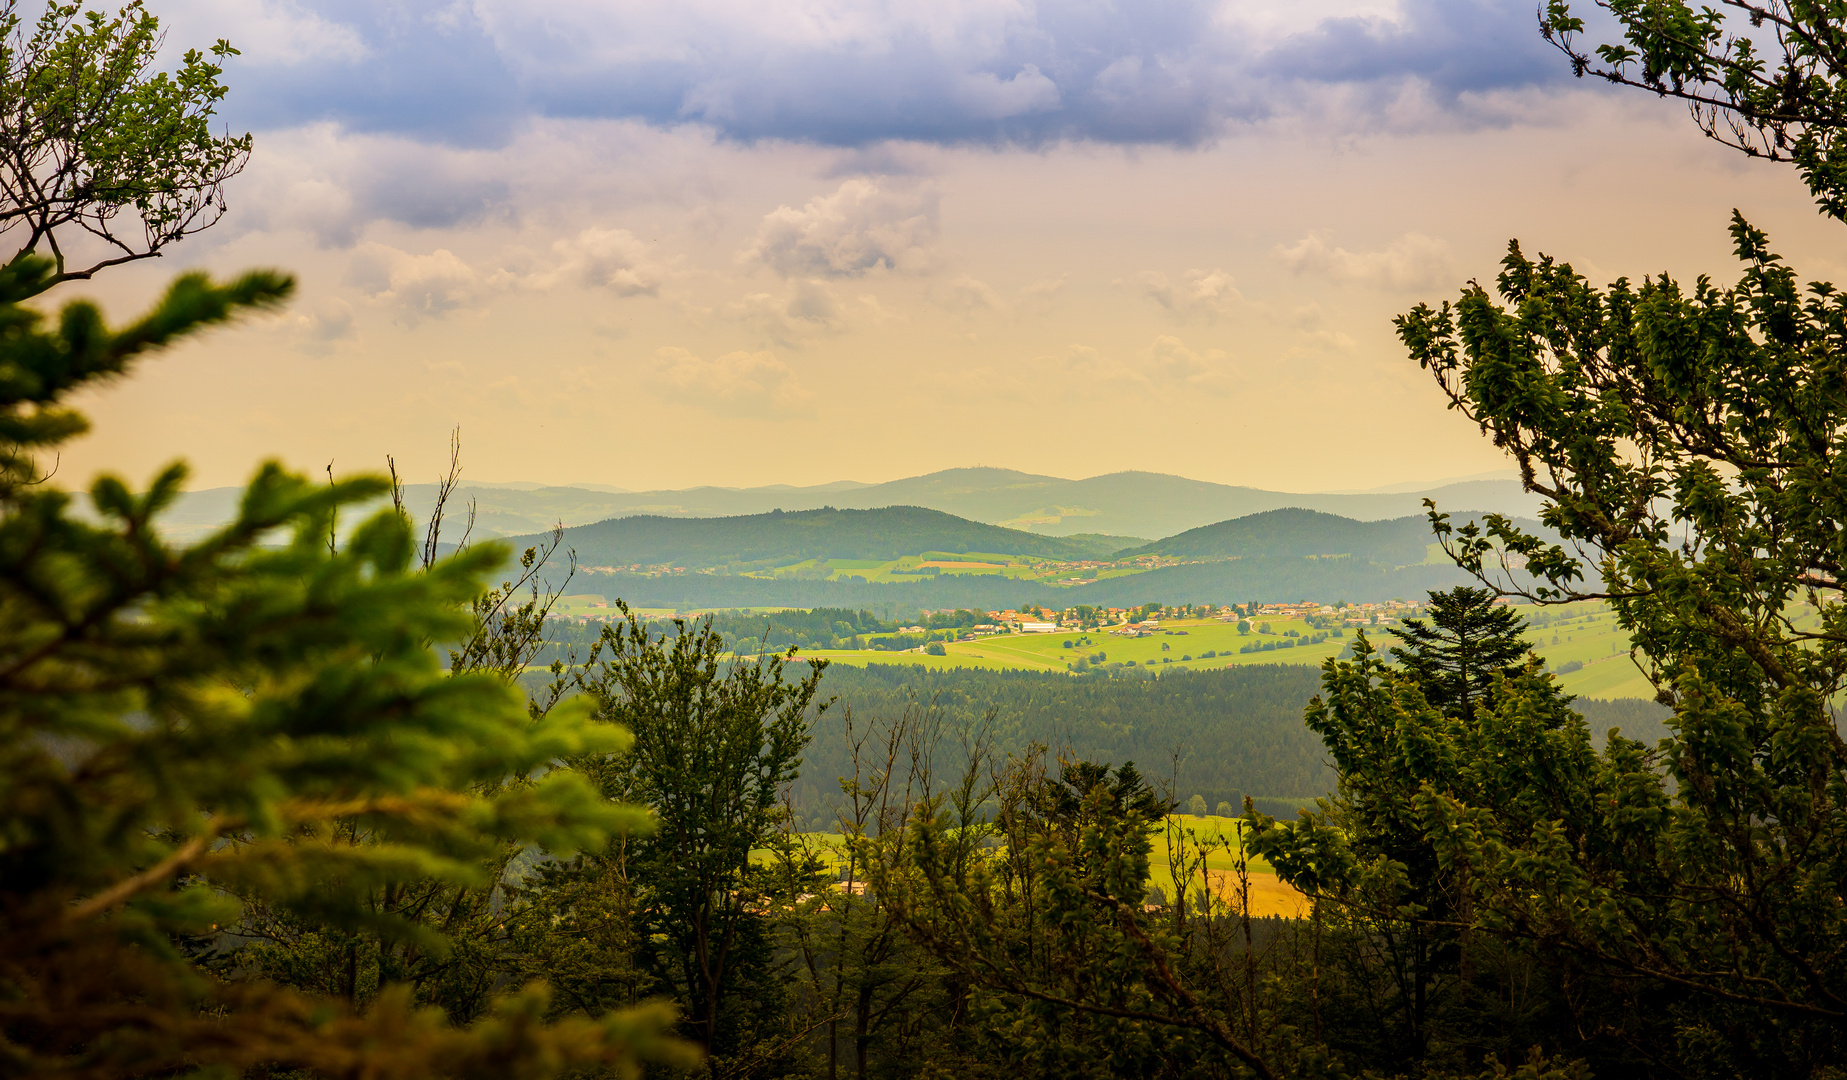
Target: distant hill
<point x="782" y="538"/>
<point x="1296" y="532"/>
<point x="1126" y="503"/>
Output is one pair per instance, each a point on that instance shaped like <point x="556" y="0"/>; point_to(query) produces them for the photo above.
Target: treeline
<point x="1222" y="734"/>
<point x="748" y="633"/>
<point x="761" y="541"/>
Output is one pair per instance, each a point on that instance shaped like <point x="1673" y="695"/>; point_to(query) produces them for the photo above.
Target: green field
<point x="1586" y="634"/>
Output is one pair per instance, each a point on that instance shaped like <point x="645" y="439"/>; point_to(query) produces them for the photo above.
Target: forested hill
<point x="1298" y="533"/>
<point x="780" y="538"/>
<point x="1218" y="734"/>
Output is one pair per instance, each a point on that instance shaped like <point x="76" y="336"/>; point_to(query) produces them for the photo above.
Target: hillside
<point x="780" y="538"/>
<point x="1295" y="532"/>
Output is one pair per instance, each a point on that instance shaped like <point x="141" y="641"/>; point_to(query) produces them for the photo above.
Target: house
<point x="1038" y="628"/>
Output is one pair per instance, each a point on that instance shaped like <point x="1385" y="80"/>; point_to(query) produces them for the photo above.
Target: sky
<point x="744" y="242"/>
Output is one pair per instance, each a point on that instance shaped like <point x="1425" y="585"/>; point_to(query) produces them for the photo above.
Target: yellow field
<point x="1268" y="895"/>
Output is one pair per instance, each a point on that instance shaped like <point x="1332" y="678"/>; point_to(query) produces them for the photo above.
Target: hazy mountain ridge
<point x="1139" y="504"/>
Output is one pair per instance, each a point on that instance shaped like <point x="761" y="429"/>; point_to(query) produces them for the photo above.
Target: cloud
<point x="969" y="295"/>
<point x="1168" y="365"/>
<point x="1199" y="294"/>
<point x="739" y="384"/>
<point x="417" y="287"/>
<point x="328" y="323"/>
<point x="862" y="226"/>
<point x="856" y="73"/>
<point x="809" y="308"/>
<point x="1413" y="261"/>
<point x="612" y="259"/>
<point x="332" y="184"/>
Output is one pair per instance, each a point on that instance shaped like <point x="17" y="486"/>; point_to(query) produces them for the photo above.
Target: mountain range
<point x="1126" y="504"/>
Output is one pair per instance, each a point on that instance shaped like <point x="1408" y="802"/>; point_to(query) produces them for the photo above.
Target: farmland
<point x="1586" y="635"/>
<point x="1183" y="837"/>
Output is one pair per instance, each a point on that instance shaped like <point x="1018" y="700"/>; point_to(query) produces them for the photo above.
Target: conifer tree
<point x="1456" y="655"/>
<point x="182" y="726"/>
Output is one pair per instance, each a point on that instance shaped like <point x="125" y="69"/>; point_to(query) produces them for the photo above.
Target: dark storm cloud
<point x="1174" y="72"/>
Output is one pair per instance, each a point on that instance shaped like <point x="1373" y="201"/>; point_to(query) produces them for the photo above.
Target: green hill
<point x="1297" y="533"/>
<point x="782" y="538"/>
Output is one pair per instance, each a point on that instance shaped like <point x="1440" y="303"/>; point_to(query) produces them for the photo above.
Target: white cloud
<point x="1413" y="261"/>
<point x="863" y="225"/>
<point x="417" y="286"/>
<point x="1200" y="294"/>
<point x="325" y="324"/>
<point x="736" y="384"/>
<point x="612" y="259"/>
<point x="270" y="32"/>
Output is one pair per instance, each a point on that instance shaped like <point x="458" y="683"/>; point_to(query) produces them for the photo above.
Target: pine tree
<point x="1456" y="655"/>
<point x="183" y="726"/>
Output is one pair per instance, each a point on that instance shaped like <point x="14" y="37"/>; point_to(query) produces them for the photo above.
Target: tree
<point x="1686" y="443"/>
<point x="95" y="148"/>
<point x="1196" y="806"/>
<point x="1456" y="656"/>
<point x="1765" y="78"/>
<point x="1366" y="858"/>
<point x="714" y="747"/>
<point x="181" y="726"/>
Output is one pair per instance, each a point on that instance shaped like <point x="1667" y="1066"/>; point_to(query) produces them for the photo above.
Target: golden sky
<point x="740" y="244"/>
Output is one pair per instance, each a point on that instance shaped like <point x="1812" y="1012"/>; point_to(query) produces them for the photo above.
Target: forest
<point x="761" y="541"/>
<point x="316" y="794"/>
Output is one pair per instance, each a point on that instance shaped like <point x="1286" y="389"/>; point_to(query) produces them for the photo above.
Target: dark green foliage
<point x="757" y="541"/>
<point x="182" y="728"/>
<point x="1687" y="441"/>
<point x="1237" y="731"/>
<point x="1293" y="533"/>
<point x="714" y="746"/>
<point x="1467" y="642"/>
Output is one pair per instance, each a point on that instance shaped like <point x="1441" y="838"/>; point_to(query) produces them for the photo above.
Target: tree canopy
<point x="104" y="161"/>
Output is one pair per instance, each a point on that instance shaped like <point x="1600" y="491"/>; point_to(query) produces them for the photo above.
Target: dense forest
<point x="1221" y="734"/>
<point x="778" y="538"/>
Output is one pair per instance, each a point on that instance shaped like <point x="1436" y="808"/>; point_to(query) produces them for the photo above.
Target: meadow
<point x="1584" y="634"/>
